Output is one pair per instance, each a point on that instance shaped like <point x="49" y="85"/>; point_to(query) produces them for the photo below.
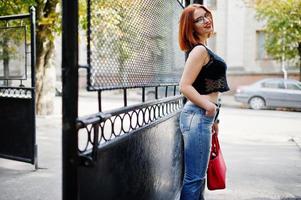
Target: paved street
<point x="263" y="160"/>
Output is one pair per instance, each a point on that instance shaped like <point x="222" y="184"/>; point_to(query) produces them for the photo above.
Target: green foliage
<point x="124" y="25"/>
<point x="114" y="26"/>
<point x="13" y="8"/>
<point x="10" y="40"/>
<point x="10" y="7"/>
<point x="283" y="26"/>
<point x="82" y="12"/>
<point x="48" y="16"/>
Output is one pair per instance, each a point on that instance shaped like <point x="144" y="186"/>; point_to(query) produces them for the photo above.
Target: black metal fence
<point x="17" y="87"/>
<point x="101" y="128"/>
<point x="131" y="153"/>
<point x="134" y="152"/>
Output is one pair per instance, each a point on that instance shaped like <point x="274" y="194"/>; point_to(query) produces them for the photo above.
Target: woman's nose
<point x="206" y="20"/>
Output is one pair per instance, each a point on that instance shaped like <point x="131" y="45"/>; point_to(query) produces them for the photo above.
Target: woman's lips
<point x="207" y="26"/>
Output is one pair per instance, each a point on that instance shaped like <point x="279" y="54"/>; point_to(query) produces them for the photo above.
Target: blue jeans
<point x="196" y="130"/>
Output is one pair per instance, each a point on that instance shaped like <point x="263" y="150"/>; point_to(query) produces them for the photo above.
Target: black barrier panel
<point x="16" y="122"/>
<point x="17" y="87"/>
<point x="146" y="164"/>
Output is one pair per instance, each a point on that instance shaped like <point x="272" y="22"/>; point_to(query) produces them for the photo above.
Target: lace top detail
<point x="212" y="77"/>
<point x="211" y="84"/>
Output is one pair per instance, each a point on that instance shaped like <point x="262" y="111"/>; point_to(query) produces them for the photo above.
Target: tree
<point x="114" y="33"/>
<point x="47" y="26"/>
<point x="9" y="47"/>
<point x="116" y="38"/>
<point x="283" y="28"/>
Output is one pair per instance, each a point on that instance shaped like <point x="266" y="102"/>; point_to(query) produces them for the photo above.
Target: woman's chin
<point x="209" y="29"/>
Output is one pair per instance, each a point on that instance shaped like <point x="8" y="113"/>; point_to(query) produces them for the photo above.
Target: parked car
<point x="271" y="93"/>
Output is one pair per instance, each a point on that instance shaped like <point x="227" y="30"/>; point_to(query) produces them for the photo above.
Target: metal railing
<point x="97" y="130"/>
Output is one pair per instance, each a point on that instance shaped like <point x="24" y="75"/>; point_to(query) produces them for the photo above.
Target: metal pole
<point x="125" y="103"/>
<point x="198" y="1"/>
<point x="187" y="2"/>
<point x="33" y="77"/>
<point x="99" y="101"/>
<point x="33" y="44"/>
<point x="299" y="50"/>
<point x="283" y="69"/>
<point x="70" y="98"/>
<point x="12" y="17"/>
<point x="143" y="94"/>
<point x="156" y="92"/>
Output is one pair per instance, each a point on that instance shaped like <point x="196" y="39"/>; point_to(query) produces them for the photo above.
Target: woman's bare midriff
<point x="213" y="97"/>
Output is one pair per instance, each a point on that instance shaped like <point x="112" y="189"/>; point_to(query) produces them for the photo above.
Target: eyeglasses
<point x="201" y="19"/>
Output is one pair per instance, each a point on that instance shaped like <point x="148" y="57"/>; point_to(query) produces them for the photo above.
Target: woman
<point x="203" y="78"/>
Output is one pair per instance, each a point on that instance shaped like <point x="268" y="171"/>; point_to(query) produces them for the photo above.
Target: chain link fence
<point x="133" y="43"/>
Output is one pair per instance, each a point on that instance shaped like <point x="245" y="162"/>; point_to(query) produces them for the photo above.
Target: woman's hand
<point x="210" y="110"/>
<point x="215" y="128"/>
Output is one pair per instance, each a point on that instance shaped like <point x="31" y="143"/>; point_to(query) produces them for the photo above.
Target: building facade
<point x="239" y="38"/>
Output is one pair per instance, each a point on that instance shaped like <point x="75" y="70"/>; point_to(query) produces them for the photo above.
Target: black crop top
<point x="212" y="77"/>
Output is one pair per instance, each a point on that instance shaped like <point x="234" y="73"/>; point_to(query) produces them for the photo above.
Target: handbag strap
<point x="215" y="148"/>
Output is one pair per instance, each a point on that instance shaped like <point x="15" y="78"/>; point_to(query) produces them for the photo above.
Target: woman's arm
<point x="198" y="57"/>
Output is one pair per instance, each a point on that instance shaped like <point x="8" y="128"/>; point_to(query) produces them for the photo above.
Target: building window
<point x="210" y="3"/>
<point x="261" y="53"/>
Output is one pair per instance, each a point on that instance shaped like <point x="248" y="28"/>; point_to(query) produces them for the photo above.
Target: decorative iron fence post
<point x="33" y="75"/>
<point x="70" y="98"/>
<point x="33" y="46"/>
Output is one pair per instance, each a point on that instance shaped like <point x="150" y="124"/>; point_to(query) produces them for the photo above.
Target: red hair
<point x="187" y="36"/>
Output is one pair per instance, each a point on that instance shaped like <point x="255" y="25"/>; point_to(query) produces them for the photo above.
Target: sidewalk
<point x="228" y="101"/>
<point x="19" y="181"/>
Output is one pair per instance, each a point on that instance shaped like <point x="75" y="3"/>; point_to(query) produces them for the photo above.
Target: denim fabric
<point x="196" y="130"/>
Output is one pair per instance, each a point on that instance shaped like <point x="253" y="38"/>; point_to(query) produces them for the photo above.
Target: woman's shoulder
<point x="198" y="56"/>
<point x="198" y="50"/>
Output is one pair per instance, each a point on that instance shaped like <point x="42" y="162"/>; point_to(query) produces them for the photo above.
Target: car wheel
<point x="257" y="103"/>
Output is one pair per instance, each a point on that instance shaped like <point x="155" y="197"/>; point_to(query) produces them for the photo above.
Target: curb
<point x="229" y="105"/>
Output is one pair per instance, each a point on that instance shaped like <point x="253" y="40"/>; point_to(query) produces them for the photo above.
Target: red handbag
<point x="216" y="173"/>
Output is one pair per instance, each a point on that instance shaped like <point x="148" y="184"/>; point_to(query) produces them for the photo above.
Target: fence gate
<point x="132" y="152"/>
<point x="17" y="87"/>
